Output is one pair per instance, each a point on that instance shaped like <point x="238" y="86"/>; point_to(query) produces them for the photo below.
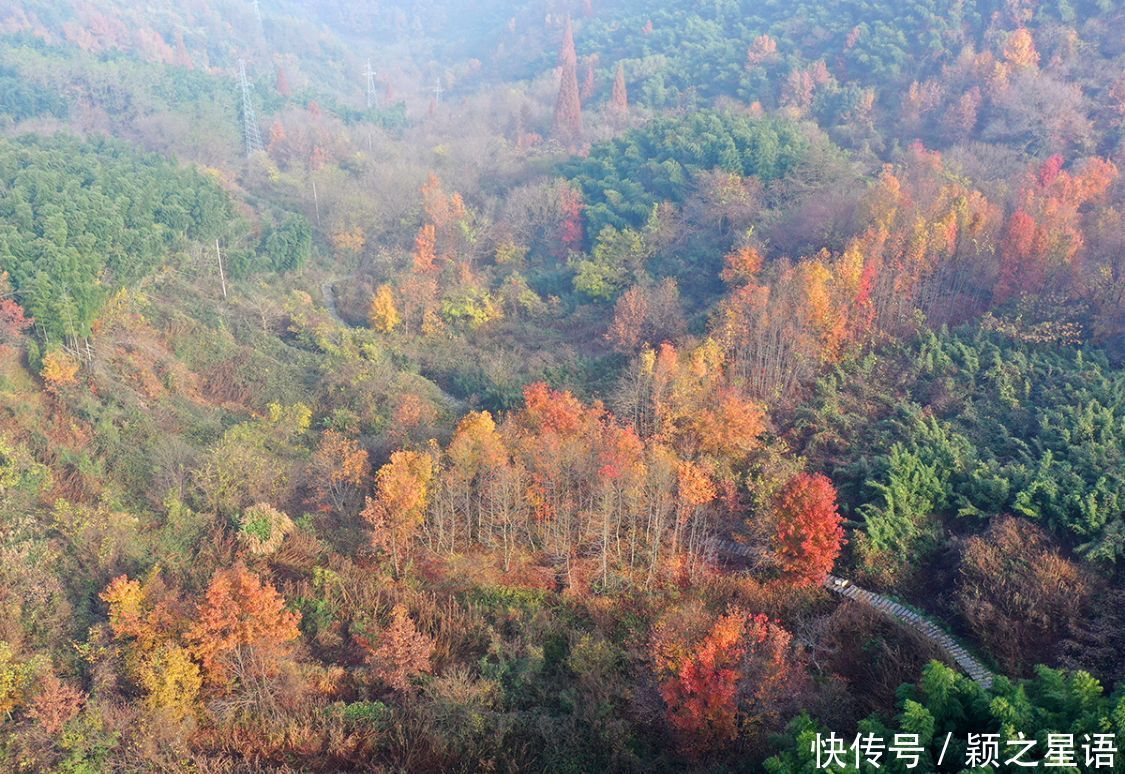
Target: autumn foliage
<point x="1043" y="236"/>
<point x="60" y="369"/>
<point x="808" y="528"/>
<point x="572" y="230"/>
<point x="401" y="494"/>
<point x="729" y="680"/>
<point x="425" y="255"/>
<point x="241" y="615"/>
<point x="56" y="704"/>
<point x="1019" y="595"/>
<point x="13" y="321"/>
<point x="568" y="106"/>
<point x="281" y="83"/>
<point x="340" y="470"/>
<point x="619" y="100"/>
<point x="403" y="652"/>
<point x="140" y="611"/>
<point x="384" y="314"/>
<point x="518" y="434"/>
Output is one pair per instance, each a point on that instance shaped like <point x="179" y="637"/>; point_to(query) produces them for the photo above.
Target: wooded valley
<point x="467" y="385"/>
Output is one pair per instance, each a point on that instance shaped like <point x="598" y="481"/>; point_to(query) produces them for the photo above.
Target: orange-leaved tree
<point x="241" y="621"/>
<point x="338" y="469"/>
<point x="142" y="612"/>
<point x="399" y="506"/>
<point x="56" y="704"/>
<point x="403" y="652"/>
<point x="425" y="249"/>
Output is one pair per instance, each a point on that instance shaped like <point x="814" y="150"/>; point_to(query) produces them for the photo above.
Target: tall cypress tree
<point x="567" y="53"/>
<point x="568" y="108"/>
<point x="619" y="102"/>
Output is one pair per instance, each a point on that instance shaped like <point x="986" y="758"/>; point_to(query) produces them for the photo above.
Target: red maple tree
<point x="733" y="678"/>
<point x="808" y="533"/>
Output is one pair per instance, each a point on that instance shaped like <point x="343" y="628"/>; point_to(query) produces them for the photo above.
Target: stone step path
<point x="919" y="623"/>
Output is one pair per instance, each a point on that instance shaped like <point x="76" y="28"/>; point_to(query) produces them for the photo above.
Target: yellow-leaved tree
<point x="383" y="314"/>
<point x="59" y="369"/>
<point x="399" y="505"/>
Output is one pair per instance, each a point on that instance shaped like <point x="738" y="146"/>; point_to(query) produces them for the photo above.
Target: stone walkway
<point x="329" y="292"/>
<point x="973" y="668"/>
<point x="919" y="623"/>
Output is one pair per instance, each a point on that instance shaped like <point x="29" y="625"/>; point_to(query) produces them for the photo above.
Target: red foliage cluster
<point x="808" y="533"/>
<point x="734" y="676"/>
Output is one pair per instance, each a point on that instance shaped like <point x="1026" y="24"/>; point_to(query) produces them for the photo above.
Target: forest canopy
<point x="80" y="220"/>
<point x="556" y="385"/>
<point x="972" y="425"/>
<point x="623" y="178"/>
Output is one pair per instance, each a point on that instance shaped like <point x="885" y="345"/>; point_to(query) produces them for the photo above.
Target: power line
<point x="249" y="120"/>
<point x="372" y="92"/>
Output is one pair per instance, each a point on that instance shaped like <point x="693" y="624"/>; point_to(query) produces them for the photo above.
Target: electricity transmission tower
<point x="249" y="121"/>
<point x="372" y="93"/>
<point x="437" y="91"/>
<point x="258" y="13"/>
